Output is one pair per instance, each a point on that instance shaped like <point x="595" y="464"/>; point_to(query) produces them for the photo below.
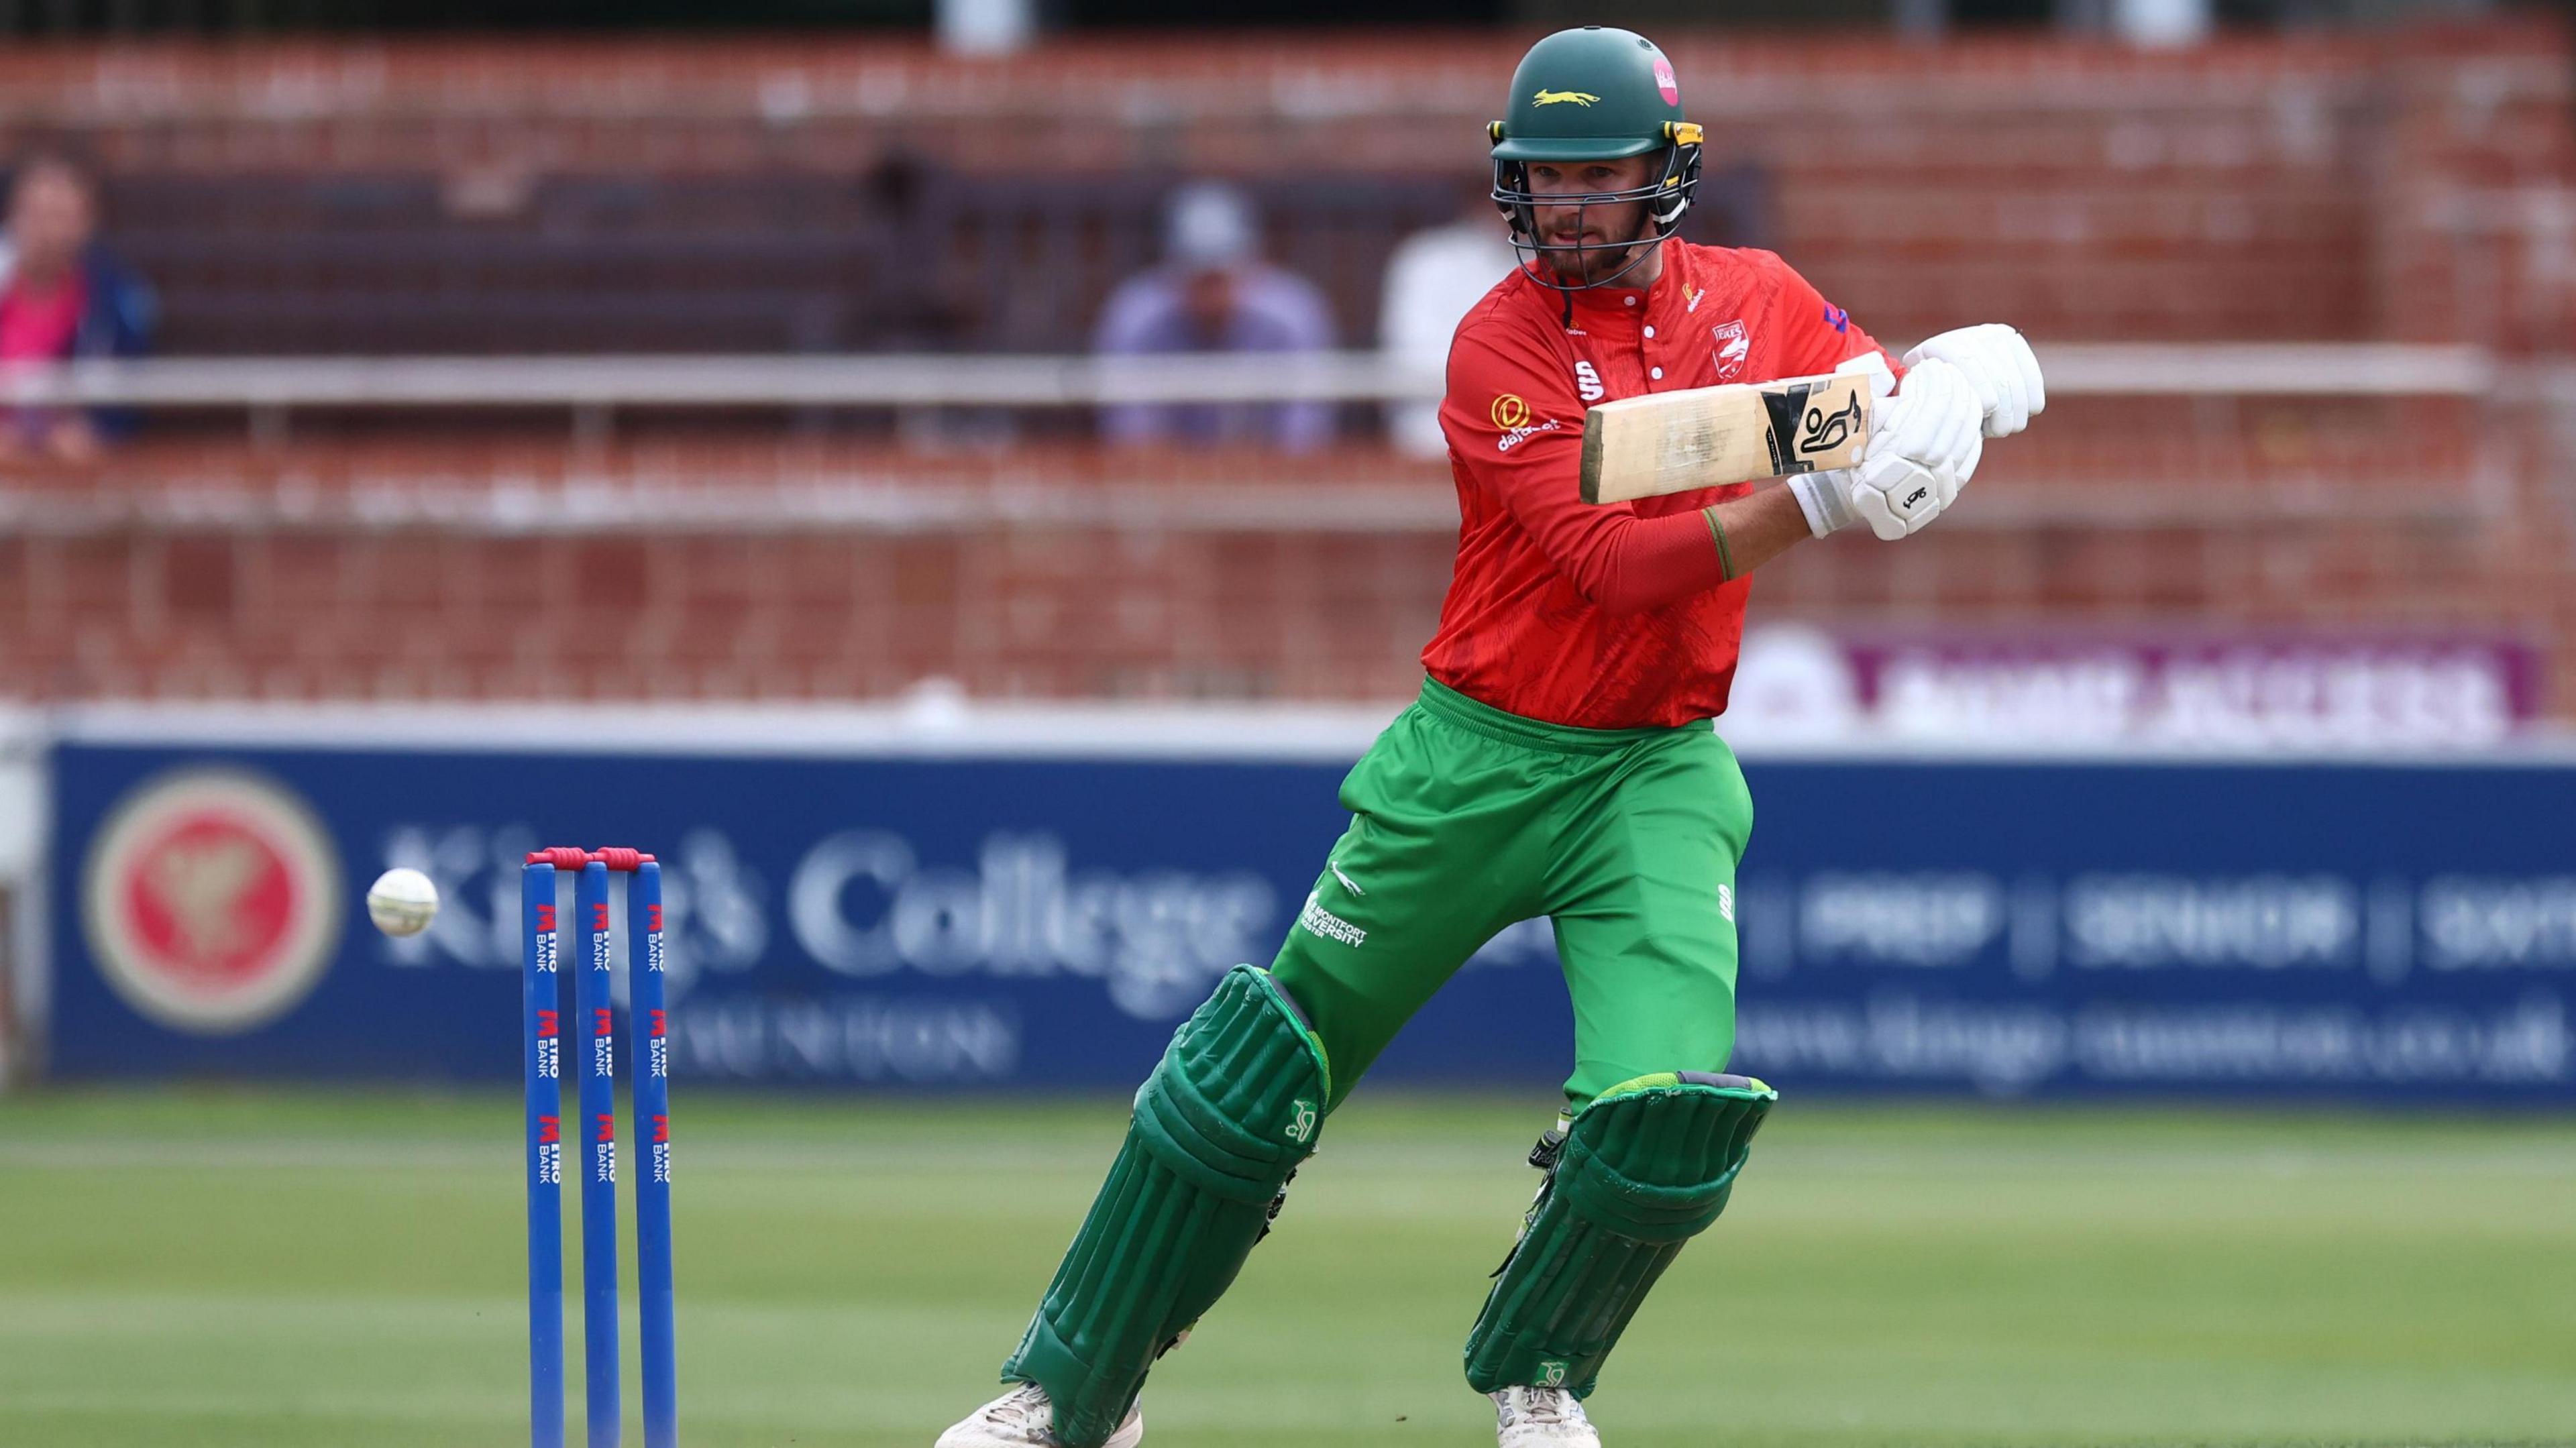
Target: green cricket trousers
<point x="1466" y="819"/>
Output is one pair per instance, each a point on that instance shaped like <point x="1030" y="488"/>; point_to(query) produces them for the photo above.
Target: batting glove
<point x="1923" y="446"/>
<point x="1999" y="365"/>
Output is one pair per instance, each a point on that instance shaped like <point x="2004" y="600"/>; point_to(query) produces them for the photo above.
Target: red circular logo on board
<point x="1665" y="82"/>
<point x="212" y="900"/>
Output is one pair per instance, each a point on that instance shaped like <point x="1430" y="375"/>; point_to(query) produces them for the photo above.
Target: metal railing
<point x="888" y="496"/>
<point x="933" y="380"/>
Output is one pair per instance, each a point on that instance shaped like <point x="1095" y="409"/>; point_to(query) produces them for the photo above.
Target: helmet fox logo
<point x="1560" y="98"/>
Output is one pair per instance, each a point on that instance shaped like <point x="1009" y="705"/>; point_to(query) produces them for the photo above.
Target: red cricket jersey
<point x="1611" y="617"/>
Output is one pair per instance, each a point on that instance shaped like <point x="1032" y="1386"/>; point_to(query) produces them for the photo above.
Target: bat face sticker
<point x="1824" y="430"/>
<point x="1702" y="437"/>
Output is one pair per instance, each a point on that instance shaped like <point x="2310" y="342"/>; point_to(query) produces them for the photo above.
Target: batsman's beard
<point x="1599" y="260"/>
<point x="1587" y="255"/>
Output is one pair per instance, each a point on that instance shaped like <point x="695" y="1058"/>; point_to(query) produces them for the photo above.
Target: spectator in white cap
<point x="1214" y="293"/>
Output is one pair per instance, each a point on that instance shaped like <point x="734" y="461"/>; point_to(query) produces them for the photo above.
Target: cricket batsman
<point x="1560" y="762"/>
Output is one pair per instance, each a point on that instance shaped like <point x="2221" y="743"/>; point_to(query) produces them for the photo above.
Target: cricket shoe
<point x="1541" y="1418"/>
<point x="1023" y="1418"/>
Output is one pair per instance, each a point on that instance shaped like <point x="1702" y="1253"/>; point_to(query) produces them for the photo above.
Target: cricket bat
<point x="1707" y="437"/>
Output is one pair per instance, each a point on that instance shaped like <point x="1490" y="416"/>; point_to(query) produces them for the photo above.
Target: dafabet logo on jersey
<point x="1512" y="415"/>
<point x="212" y="899"/>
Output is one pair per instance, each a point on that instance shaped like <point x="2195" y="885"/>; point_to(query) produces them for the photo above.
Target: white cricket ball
<point x="402" y="901"/>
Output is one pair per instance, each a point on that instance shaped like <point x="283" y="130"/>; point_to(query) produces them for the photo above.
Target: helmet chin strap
<point x="1546" y="273"/>
<point x="1638" y="250"/>
<point x="1547" y="276"/>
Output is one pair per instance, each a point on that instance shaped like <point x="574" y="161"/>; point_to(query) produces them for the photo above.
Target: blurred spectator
<point x="1432" y="279"/>
<point x="62" y="295"/>
<point x="1213" y="293"/>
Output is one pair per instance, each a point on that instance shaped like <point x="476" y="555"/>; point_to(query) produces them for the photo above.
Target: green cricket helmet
<point x="1594" y="94"/>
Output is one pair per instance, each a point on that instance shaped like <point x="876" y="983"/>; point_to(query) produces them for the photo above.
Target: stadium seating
<point x="763" y="197"/>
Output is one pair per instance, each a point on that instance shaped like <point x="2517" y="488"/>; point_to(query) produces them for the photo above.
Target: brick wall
<point x="756" y="568"/>
<point x="2397" y="182"/>
<point x="174" y="614"/>
<point x="2410" y="185"/>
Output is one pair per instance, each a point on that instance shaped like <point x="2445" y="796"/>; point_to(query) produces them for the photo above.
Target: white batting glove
<point x="2000" y="367"/>
<point x="1923" y="446"/>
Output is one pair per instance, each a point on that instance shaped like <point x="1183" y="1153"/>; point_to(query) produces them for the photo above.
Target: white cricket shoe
<point x="1541" y="1418"/>
<point x="1023" y="1418"/>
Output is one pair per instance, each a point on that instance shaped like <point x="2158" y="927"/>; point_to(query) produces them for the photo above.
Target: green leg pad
<point x="1645" y="1168"/>
<point x="1218" y="1129"/>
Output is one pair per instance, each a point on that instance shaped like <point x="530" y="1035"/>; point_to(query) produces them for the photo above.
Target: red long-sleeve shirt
<point x="1618" y="616"/>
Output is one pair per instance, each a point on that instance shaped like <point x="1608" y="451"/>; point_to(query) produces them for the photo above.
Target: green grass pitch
<point x="285" y="1269"/>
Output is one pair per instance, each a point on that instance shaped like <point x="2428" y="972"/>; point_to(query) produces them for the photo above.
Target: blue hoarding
<point x="934" y="922"/>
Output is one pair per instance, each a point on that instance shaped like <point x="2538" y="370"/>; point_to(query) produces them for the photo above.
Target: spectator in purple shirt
<point x="1213" y="293"/>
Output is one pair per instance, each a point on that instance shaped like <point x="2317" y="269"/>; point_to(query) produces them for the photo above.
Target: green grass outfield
<point x="292" y="1269"/>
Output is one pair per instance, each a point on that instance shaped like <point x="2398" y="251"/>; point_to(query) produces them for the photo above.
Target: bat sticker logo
<point x="1561" y="98"/>
<point x="1824" y="431"/>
